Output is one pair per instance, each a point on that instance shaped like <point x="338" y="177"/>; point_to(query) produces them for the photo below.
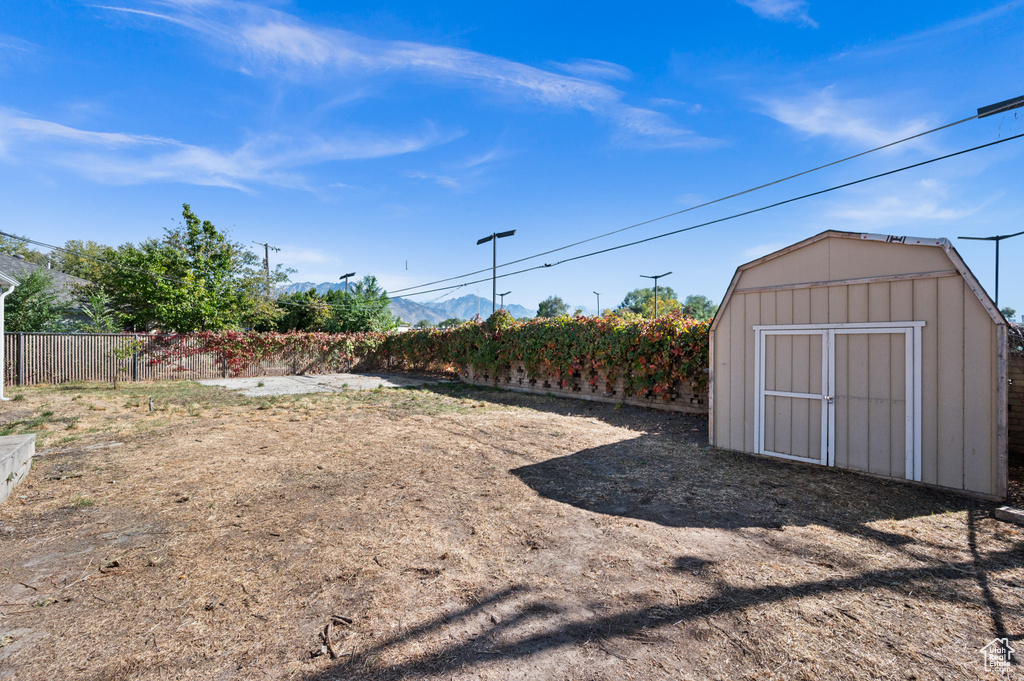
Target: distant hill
<point x="412" y="311"/>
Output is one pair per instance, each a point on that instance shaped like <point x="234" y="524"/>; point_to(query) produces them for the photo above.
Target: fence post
<point x="135" y="366"/>
<point x="21" y="358"/>
<point x="224" y="366"/>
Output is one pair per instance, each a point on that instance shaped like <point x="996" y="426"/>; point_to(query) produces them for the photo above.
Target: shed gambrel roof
<point x="901" y="241"/>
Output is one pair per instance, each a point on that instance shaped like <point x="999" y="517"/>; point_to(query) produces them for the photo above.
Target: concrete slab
<point x="1010" y="514"/>
<point x="326" y="383"/>
<point x="16" y="452"/>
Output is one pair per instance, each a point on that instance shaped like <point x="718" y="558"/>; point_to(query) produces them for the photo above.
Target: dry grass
<point x="457" y="533"/>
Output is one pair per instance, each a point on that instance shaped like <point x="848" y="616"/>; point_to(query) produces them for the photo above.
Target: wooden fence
<point x="34" y="358"/>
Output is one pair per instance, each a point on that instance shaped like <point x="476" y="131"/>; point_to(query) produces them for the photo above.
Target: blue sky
<point x="363" y="136"/>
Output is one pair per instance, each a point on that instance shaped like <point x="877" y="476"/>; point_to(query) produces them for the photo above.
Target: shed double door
<point x="844" y="395"/>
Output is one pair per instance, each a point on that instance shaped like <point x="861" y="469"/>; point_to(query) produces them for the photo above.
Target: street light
<point x="502" y="296"/>
<point x="345" y="278"/>
<point x="494" y="268"/>
<point x="997" y="239"/>
<point x="655" y="277"/>
<point x="598" y="303"/>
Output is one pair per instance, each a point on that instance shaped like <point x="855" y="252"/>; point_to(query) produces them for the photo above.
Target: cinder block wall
<point x="1015" y="416"/>
<point x="684" y="399"/>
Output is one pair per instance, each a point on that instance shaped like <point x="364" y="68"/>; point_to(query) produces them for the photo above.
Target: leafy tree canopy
<point x="423" y="324"/>
<point x="637" y="298"/>
<point x="665" y="306"/>
<point x="699" y="307"/>
<point x="12" y="246"/>
<point x="451" y="323"/>
<point x="552" y="306"/>
<point x="1009" y="312"/>
<point x="32" y="305"/>
<point x="83" y="259"/>
<point x="192" y="279"/>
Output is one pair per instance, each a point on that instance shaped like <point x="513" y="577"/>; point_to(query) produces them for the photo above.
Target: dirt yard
<point x="451" y="533"/>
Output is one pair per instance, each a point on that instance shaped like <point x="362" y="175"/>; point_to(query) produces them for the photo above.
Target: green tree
<point x="665" y="306"/>
<point x="1009" y="312"/>
<point x="552" y="306"/>
<point x="636" y="299"/>
<point x="364" y="308"/>
<point x="83" y="259"/>
<point x="33" y="306"/>
<point x="423" y="324"/>
<point x="451" y="323"/>
<point x="699" y="307"/>
<point x="300" y="311"/>
<point x="13" y="246"/>
<point x="194" y="278"/>
<point x="98" y="310"/>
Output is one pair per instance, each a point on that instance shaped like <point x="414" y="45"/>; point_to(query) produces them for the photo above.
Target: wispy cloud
<point x="123" y="158"/>
<point x="594" y="69"/>
<point x="792" y="11"/>
<point x="822" y="113"/>
<point x="927" y="200"/>
<point x="269" y="41"/>
<point x="443" y="180"/>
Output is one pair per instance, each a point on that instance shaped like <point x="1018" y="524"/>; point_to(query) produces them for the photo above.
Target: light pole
<point x="502" y="296"/>
<point x="494" y="268"/>
<point x="345" y="277"/>
<point x="655" y="277"/>
<point x="598" y="303"/>
<point x="997" y="239"/>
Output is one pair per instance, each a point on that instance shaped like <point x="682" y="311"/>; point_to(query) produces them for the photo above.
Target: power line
<point x="701" y="205"/>
<point x="730" y="217"/>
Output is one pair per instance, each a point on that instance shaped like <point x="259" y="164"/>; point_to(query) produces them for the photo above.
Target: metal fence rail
<point x="34" y="358"/>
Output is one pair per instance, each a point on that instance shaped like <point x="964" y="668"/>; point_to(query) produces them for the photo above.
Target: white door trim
<point x="912" y="334"/>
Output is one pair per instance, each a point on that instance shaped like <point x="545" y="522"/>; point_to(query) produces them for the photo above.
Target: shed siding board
<point x="737" y="364"/>
<point x="926" y="308"/>
<point x="950" y="382"/>
<point x="901" y="301"/>
<point x="979" y="399"/>
<point x="819" y="306"/>
<point x="897" y="405"/>
<point x="837" y="304"/>
<point x="878" y="366"/>
<point x="857" y="305"/>
<point x="723" y="381"/>
<point x="801" y="306"/>
<point x="768" y="307"/>
<point x="752" y="317"/>
<point x="859" y="421"/>
<point x="807" y="264"/>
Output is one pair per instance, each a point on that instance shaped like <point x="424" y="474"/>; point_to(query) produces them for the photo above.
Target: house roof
<point x="18" y="269"/>
<point x="954" y="257"/>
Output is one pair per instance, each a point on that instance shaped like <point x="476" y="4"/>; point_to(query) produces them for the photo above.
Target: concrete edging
<point x="16" y="452"/>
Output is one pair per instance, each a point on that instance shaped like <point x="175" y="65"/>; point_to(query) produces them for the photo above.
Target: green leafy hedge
<point x="651" y="356"/>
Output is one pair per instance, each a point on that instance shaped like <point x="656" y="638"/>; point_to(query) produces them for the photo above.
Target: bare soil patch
<point x="448" y="532"/>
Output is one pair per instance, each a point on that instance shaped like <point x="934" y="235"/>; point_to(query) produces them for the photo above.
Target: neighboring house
<point x="64" y="284"/>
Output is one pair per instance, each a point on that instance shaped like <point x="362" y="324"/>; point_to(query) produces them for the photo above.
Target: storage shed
<point x="873" y="353"/>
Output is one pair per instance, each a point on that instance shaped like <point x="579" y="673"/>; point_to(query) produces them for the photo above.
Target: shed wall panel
<point x="949" y="371"/>
<point x="926" y="308"/>
<point x="979" y="400"/>
<point x="737" y="364"/>
<point x="723" y="382"/>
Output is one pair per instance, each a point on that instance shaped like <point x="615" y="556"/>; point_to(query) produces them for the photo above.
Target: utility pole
<point x="655" y="277"/>
<point x="997" y="239"/>
<point x="494" y="268"/>
<point x="502" y="295"/>
<point x="598" y="303"/>
<point x="267" y="248"/>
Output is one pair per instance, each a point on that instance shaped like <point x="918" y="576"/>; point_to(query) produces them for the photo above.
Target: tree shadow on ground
<point x="499" y="643"/>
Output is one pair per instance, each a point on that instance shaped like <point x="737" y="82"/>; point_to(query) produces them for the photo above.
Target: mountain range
<point x="411" y="311"/>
